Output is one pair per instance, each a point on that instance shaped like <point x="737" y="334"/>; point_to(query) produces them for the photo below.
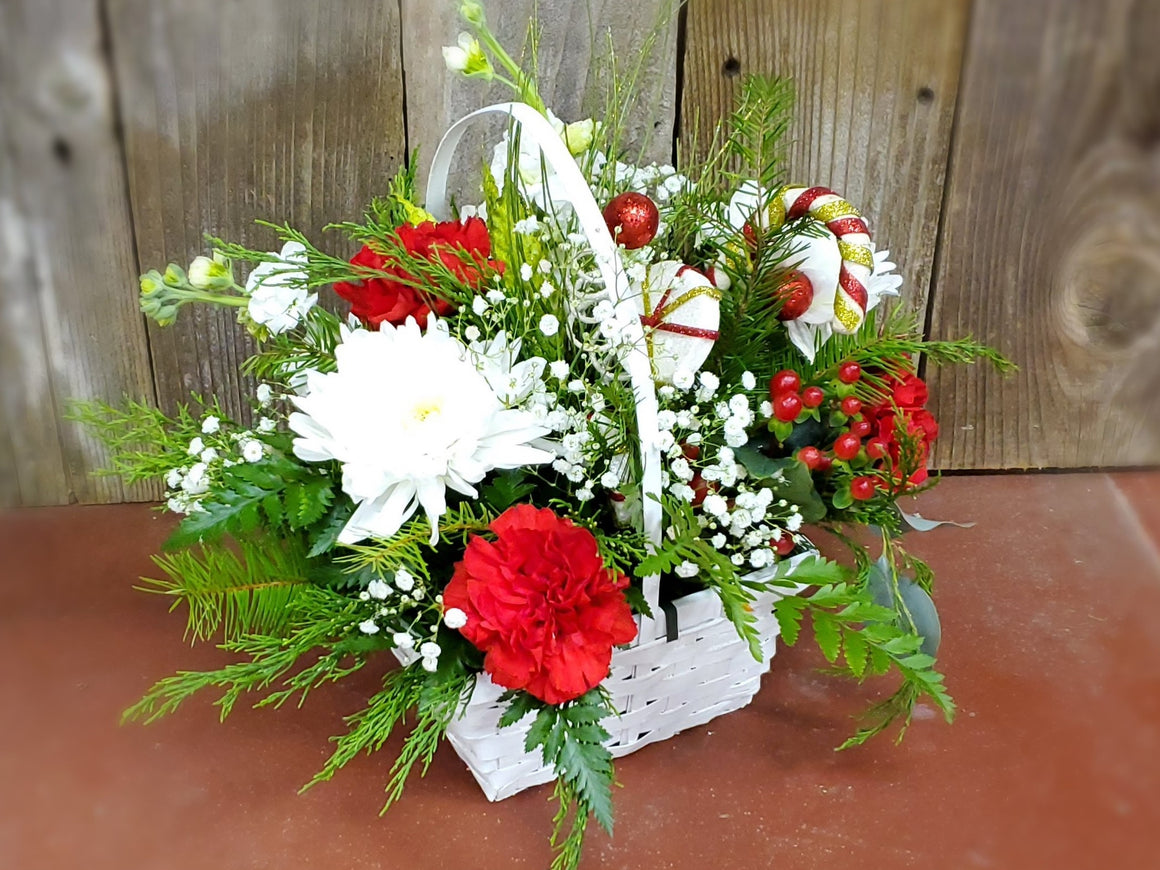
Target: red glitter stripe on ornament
<point x="854" y="287"/>
<point x="805" y="199"/>
<point x="654" y="320"/>
<point x="844" y="226"/>
<point x="691" y="331"/>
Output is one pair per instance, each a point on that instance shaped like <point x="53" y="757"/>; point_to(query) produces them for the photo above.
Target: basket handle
<point x="636" y="361"/>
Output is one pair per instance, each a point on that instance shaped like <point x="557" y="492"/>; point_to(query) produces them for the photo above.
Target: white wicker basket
<point x="665" y="681"/>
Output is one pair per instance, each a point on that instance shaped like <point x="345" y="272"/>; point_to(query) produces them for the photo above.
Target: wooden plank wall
<point x="288" y="111"/>
<point x="1051" y="238"/>
<point x="69" y="325"/>
<point x="1022" y="203"/>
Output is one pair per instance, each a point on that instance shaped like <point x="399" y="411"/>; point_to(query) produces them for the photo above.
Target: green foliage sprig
<point x="246" y="588"/>
<point x="318" y="621"/>
<point x="571" y="739"/>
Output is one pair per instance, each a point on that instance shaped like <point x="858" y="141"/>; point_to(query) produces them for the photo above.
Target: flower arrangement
<point x="543" y="419"/>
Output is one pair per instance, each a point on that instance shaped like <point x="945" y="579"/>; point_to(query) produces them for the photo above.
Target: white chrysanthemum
<point x="408" y="415"/>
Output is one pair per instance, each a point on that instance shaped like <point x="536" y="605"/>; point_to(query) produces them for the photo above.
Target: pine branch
<point x="409" y="548"/>
<point x="439" y="702"/>
<point x="319" y="619"/>
<point x="371" y="727"/>
<point x="757" y="128"/>
<point x="244" y="589"/>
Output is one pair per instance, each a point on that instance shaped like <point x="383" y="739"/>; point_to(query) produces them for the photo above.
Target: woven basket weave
<point x="667" y="680"/>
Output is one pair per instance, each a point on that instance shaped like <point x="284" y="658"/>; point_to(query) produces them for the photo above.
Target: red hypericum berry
<point x="784" y="545"/>
<point x="813" y="396"/>
<point x="700" y="488"/>
<point x="849" y="372"/>
<point x="787" y="406"/>
<point x="851" y="405"/>
<point x="825" y="464"/>
<point x="785" y="381"/>
<point x="862" y="488"/>
<point x="692" y="452"/>
<point x="847" y="446"/>
<point x="861" y="428"/>
<point x="876" y="448"/>
<point x="811" y="456"/>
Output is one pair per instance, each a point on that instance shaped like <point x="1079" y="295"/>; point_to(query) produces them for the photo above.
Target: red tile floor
<point x="1051" y="614"/>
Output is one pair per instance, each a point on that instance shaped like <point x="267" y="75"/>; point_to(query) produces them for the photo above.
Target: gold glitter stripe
<point x="712" y="292"/>
<point x="849" y="316"/>
<point x="833" y="210"/>
<point x="859" y="254"/>
<point x="776" y="211"/>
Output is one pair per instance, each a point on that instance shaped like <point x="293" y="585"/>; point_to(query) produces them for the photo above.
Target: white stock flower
<point x="211" y="425"/>
<point x="403" y="442"/>
<point x="467" y="57"/>
<point x="279" y="297"/>
<point x="264" y="394"/>
<point x="368" y="626"/>
<point x="195" y="447"/>
<point x="196" y="482"/>
<point x="532" y="172"/>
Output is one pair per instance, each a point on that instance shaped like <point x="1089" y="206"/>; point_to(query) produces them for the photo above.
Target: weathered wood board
<point x="1051" y="241"/>
<point x="70" y="326"/>
<point x="286" y="110"/>
<point x="876" y="82"/>
<point x="579" y="40"/>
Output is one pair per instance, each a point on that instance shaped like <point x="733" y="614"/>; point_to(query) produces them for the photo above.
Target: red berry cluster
<point x="789" y="400"/>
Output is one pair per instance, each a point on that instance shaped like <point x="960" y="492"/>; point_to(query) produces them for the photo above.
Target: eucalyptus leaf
<point x="921" y="524"/>
<point x="917" y="602"/>
<point x="788" y="477"/>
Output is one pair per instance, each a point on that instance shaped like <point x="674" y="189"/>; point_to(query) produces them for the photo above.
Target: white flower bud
<point x="455" y="618"/>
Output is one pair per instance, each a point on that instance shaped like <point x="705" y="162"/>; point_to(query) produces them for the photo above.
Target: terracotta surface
<point x="1051" y="642"/>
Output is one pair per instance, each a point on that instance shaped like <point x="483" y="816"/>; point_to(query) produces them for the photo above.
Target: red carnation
<point x="905" y="409"/>
<point x="541" y="604"/>
<point x="378" y="300"/>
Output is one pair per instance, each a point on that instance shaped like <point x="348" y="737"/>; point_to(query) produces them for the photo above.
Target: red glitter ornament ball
<point x="632" y="219"/>
<point x="795" y="294"/>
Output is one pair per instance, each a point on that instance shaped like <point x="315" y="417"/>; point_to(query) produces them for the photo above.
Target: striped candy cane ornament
<point x="843" y="220"/>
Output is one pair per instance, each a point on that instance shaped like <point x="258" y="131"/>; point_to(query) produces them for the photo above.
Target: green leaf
<point x="854" y="647"/>
<point x="307" y="503"/>
<point x="588" y="767"/>
<point x="520" y="704"/>
<point x="331" y="527"/>
<point x="827" y="634"/>
<point x="815" y="570"/>
<point x="506" y="489"/>
<point x="788" y="612"/>
<point x="842" y="498"/>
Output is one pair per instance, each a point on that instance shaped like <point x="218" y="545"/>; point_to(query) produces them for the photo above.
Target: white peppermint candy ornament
<point x="681" y="312"/>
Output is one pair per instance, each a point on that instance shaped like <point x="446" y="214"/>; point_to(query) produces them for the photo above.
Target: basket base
<point x="660" y="688"/>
